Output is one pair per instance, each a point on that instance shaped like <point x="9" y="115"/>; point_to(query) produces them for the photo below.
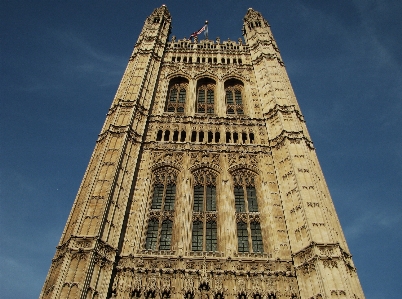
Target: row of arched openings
<point x="177" y="96"/>
<point x="209" y="137"/>
<point x="207" y="59"/>
<point x="204" y="212"/>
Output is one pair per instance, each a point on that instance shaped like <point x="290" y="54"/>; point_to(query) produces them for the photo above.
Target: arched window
<point x="204" y="232"/>
<point x="249" y="234"/>
<point x="205" y="96"/>
<point x="176" y="98"/>
<point x="160" y="224"/>
<point x="234" y="97"/>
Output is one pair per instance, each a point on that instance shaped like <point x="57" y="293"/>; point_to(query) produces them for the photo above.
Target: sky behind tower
<point x="61" y="63"/>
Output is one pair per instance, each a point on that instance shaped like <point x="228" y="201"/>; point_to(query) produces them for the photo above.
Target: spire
<point x="255" y="26"/>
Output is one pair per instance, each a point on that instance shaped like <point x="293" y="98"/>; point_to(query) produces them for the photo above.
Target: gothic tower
<point x="204" y="182"/>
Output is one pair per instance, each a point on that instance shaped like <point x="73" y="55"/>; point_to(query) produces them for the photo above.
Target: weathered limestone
<point x="204" y="147"/>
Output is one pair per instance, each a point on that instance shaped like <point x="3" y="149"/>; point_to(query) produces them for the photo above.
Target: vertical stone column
<point x="183" y="210"/>
<point x="220" y="99"/>
<point x="316" y="239"/>
<point x="191" y="98"/>
<point x="91" y="239"/>
<point x="273" y="223"/>
<point x="226" y="210"/>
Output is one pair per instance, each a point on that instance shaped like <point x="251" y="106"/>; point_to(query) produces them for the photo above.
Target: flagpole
<point x="206" y="29"/>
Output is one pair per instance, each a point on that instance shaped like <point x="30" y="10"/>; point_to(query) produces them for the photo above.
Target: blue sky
<point x="61" y="63"/>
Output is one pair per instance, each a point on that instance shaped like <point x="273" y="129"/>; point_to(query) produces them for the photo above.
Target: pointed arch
<point x="206" y="93"/>
<point x="204" y="226"/>
<point x="246" y="205"/>
<point x="177" y="95"/>
<point x="234" y="97"/>
<point x="162" y="204"/>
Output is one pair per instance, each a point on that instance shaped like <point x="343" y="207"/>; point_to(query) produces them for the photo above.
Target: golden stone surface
<point x="152" y="136"/>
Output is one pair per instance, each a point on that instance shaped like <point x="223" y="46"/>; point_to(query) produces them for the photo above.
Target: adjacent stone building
<point x="204" y="182"/>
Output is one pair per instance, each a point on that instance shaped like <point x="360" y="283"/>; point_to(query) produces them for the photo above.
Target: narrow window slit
<point x="167" y="134"/>
<point x="193" y="136"/>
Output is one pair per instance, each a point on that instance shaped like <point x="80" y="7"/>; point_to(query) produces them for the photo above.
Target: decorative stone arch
<point x="236" y="76"/>
<point x="161" y="166"/>
<point x="178" y="74"/>
<point x="206" y="75"/>
<point x="206" y="165"/>
<point x="245" y="168"/>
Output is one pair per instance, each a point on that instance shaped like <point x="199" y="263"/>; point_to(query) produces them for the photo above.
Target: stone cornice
<point x="202" y="120"/>
<point x="263" y="56"/>
<point x="329" y="253"/>
<point x="85" y="245"/>
<point x="206" y="264"/>
<point x="279" y="139"/>
<point x="218" y="148"/>
<point x="284" y="109"/>
<point x="117" y="130"/>
<point x="258" y="43"/>
<point x="128" y="104"/>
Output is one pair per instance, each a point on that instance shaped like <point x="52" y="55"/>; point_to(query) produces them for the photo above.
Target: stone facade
<point x="204" y="182"/>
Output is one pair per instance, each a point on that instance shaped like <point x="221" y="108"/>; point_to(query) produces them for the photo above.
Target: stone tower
<point x="204" y="182"/>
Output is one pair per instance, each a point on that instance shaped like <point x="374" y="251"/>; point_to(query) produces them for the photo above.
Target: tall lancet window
<point x="205" y="96"/>
<point x="249" y="234"/>
<point x="177" y="94"/>
<point x="234" y="97"/>
<point x="204" y="229"/>
<point x="160" y="224"/>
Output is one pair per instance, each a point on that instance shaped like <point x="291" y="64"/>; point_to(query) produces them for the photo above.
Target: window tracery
<point x="204" y="230"/>
<point x="205" y="96"/>
<point x="160" y="223"/>
<point x="234" y="97"/>
<point x="176" y="97"/>
<point x="249" y="233"/>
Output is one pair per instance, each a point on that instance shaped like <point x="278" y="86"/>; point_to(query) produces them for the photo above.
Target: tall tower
<point x="204" y="182"/>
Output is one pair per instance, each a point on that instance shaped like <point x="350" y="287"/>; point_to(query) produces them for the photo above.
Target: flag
<point x="202" y="29"/>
